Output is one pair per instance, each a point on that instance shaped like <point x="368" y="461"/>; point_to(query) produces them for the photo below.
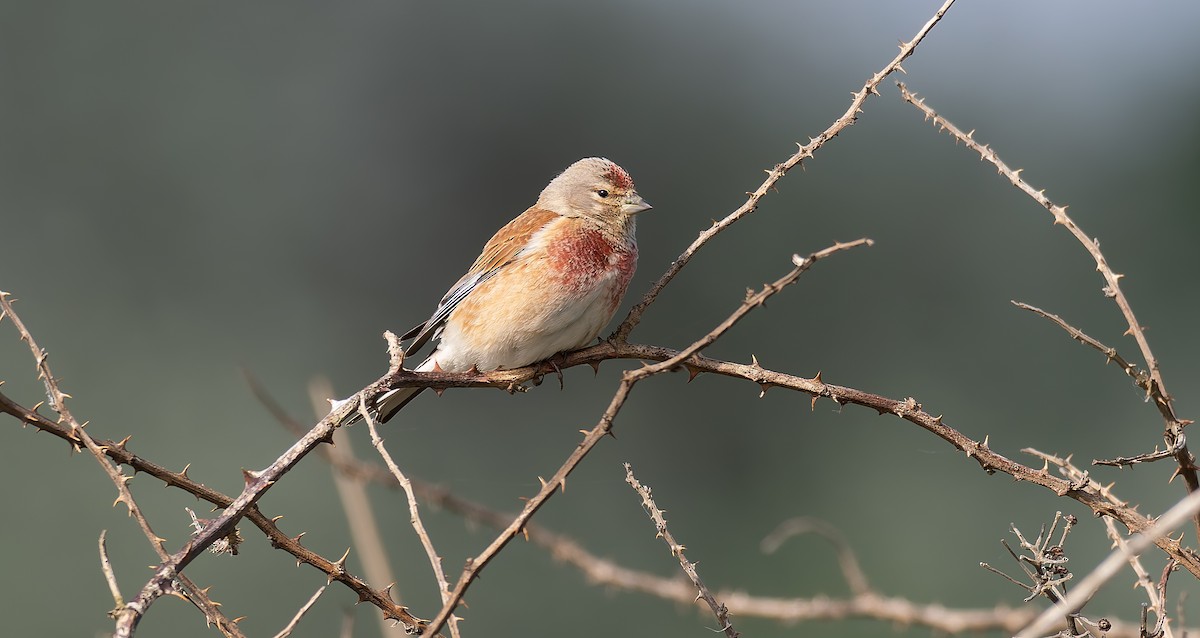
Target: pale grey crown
<point x="592" y="187"/>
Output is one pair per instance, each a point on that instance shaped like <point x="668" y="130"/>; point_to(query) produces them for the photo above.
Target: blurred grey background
<point x="191" y="188"/>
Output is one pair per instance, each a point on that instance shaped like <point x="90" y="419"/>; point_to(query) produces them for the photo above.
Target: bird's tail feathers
<point x="392" y="401"/>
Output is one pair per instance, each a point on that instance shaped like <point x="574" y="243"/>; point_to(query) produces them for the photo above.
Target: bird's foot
<point x="553" y="364"/>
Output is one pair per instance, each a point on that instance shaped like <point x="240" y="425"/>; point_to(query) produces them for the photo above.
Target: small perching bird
<point x="547" y="282"/>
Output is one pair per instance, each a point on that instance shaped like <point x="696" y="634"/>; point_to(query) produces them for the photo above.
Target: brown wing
<point x="506" y="246"/>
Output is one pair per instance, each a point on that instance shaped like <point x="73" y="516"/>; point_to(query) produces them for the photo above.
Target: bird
<point x="546" y="283"/>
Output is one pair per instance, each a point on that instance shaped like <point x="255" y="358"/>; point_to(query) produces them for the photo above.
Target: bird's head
<point x="593" y="187"/>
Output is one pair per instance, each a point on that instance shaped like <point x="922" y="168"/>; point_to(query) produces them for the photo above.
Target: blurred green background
<point x="189" y="188"/>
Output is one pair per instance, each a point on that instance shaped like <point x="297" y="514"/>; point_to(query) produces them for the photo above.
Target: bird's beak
<point x="634" y="204"/>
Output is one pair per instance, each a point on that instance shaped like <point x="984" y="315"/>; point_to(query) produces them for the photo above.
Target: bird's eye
<point x="602" y="193"/>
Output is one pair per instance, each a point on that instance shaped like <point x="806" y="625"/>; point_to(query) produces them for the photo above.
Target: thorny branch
<point x="1138" y="375"/>
<point x="257" y="484"/>
<point x="660" y="526"/>
<point x="1087" y="587"/>
<point x="1155" y="389"/>
<point x="119" y="452"/>
<point x="182" y="586"/>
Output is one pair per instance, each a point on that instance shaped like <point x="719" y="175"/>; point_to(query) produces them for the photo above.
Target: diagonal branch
<point x="414" y="515"/>
<point x="660" y="525"/>
<point x="1156" y="390"/>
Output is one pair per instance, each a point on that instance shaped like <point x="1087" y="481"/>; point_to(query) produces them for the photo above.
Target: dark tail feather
<point x="387" y="405"/>
<point x="392" y="402"/>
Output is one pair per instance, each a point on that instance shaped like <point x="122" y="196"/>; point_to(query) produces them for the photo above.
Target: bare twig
<point x="1155" y="389"/>
<point x="804" y="152"/>
<point x="851" y="570"/>
<point x="1087" y="587"/>
<point x="291" y="626"/>
<point x="414" y="515"/>
<point x="660" y="526"/>
<point x="1157" y="601"/>
<point x="109" y="576"/>
<point x="1139" y="376"/>
<point x="360" y="516"/>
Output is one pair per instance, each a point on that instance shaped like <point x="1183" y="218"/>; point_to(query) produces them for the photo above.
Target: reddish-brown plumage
<point x="587" y="255"/>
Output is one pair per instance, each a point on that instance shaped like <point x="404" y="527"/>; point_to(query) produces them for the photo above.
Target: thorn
<point x="765" y="386"/>
<point x="693" y="372"/>
<point x="249" y="476"/>
<point x="276" y="519"/>
<point x="339" y="565"/>
<point x="595" y="366"/>
<point x="296" y="539"/>
<point x="439" y="391"/>
<point x="813" y="407"/>
<point x="525" y="532"/>
<point x="754" y="362"/>
<point x="182" y="472"/>
<point x="817" y="379"/>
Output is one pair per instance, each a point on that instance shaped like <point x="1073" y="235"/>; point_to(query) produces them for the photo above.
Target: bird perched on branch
<point x="547" y="282"/>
